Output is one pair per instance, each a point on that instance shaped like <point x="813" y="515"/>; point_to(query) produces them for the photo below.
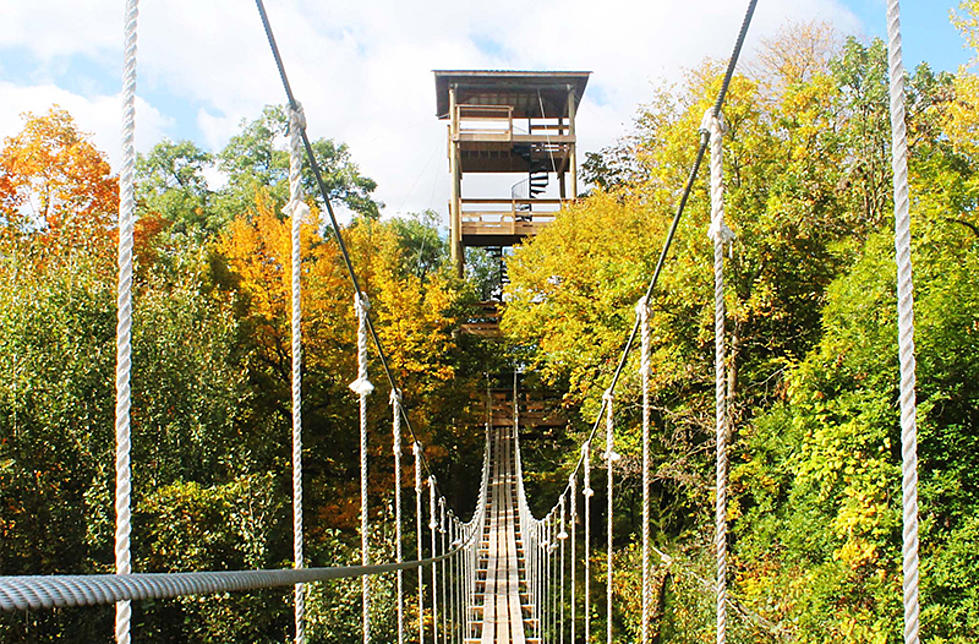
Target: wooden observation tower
<point x="508" y="123"/>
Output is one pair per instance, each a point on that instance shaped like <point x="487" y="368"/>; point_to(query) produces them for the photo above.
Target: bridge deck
<point x="501" y="580"/>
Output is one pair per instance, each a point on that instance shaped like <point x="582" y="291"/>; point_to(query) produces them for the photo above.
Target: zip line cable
<point x="674" y="224"/>
<point x="324" y="193"/>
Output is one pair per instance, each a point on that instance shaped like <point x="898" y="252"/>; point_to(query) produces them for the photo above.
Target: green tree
<point x="257" y="157"/>
<point x="171" y="182"/>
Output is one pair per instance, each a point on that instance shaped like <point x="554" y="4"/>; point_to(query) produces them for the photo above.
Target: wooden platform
<point x="505" y="222"/>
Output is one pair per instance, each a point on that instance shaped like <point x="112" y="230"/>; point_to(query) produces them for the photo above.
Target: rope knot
<point x="362" y="387"/>
<point x="642" y="307"/>
<point x="719" y="232"/>
<point x="395" y="397"/>
<point x="709" y="121"/>
<point x="362" y="304"/>
<point x="608" y="395"/>
<point x="297" y="116"/>
<point x="297" y="209"/>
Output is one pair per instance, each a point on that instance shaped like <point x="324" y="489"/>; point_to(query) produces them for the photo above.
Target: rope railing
<point x="24" y="592"/>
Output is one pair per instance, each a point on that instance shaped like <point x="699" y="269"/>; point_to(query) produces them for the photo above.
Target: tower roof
<point x="525" y="91"/>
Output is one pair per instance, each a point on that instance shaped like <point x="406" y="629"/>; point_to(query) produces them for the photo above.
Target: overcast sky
<point x="362" y="69"/>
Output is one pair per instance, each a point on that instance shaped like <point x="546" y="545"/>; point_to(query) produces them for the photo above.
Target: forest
<point x="815" y="504"/>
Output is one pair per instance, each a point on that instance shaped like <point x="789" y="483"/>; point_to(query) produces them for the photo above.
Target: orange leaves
<point x="56" y="185"/>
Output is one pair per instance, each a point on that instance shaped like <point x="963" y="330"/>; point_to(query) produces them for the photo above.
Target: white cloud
<point x="97" y="115"/>
<point x="363" y="69"/>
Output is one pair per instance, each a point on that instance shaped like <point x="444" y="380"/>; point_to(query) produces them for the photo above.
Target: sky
<point x="363" y="70"/>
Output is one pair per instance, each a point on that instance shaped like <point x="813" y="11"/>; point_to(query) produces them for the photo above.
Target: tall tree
<point x="56" y="185"/>
<point x="256" y="158"/>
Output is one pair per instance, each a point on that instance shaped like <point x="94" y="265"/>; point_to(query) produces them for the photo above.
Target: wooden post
<point x="560" y="177"/>
<point x="455" y="214"/>
<point x="572" y="154"/>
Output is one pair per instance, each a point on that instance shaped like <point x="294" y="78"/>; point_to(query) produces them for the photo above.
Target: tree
<point x="55" y="185"/>
<point x="257" y="158"/>
<point x="171" y="183"/>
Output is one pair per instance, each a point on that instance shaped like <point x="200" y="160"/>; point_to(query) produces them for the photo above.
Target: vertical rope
<point x="562" y="537"/>
<point x="642" y="310"/>
<point x="124" y="321"/>
<point x="588" y="493"/>
<point x="905" y="324"/>
<point x="445" y="580"/>
<point x="398" y="545"/>
<point x="363" y="387"/>
<point x="610" y="458"/>
<point x="573" y="495"/>
<point x="453" y="579"/>
<point x="418" y="542"/>
<point x="297" y="211"/>
<point x="720" y="234"/>
<point x="432" y="526"/>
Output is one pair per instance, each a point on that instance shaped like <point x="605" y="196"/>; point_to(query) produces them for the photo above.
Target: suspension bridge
<point x="503" y="575"/>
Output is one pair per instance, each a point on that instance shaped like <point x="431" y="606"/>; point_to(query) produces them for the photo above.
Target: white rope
<point x="573" y="495"/>
<point x="445" y="582"/>
<point x="551" y="547"/>
<point x="720" y="234"/>
<point x="905" y="323"/>
<point x="432" y="526"/>
<point x="610" y="458"/>
<point x="642" y="310"/>
<point x="418" y="542"/>
<point x="127" y="213"/>
<point x="398" y="546"/>
<point x="363" y="387"/>
<point x="453" y="581"/>
<point x="297" y="211"/>
<point x="562" y="537"/>
<point x="588" y="493"/>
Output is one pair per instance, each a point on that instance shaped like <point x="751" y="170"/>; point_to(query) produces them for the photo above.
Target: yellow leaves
<point x="967" y="22"/>
<point x="963" y="122"/>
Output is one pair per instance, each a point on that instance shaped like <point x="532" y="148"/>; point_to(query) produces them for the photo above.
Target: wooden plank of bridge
<point x="514" y="609"/>
<point x="502" y="610"/>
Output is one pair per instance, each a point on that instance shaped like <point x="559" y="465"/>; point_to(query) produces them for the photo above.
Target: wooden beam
<point x="573" y="154"/>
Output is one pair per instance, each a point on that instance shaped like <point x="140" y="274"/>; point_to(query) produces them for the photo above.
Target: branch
<point x="969" y="225"/>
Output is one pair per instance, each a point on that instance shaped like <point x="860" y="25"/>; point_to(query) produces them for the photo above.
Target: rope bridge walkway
<point x="504" y="575"/>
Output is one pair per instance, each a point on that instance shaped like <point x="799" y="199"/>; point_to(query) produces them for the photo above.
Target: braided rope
<point x="642" y="310"/>
<point x="905" y="323"/>
<point x="127" y="213"/>
<point x="588" y="493"/>
<point x="573" y="495"/>
<point x="28" y="592"/>
<point x="417" y="450"/>
<point x="610" y="458"/>
<point x="432" y="525"/>
<point x="442" y="565"/>
<point x="453" y="582"/>
<point x="363" y="387"/>
<point x="562" y="537"/>
<point x="720" y="234"/>
<point x="297" y="211"/>
<point x="398" y="545"/>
